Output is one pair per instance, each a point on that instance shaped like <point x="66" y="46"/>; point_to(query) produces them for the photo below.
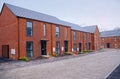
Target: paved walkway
<point x="94" y="66"/>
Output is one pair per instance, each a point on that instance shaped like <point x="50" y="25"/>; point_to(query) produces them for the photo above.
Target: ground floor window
<point x="87" y="45"/>
<point x="58" y="47"/>
<point x="75" y="48"/>
<point x="29" y="49"/>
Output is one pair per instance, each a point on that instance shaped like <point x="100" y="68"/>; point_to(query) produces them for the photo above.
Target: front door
<point x="66" y="46"/>
<point x="108" y="45"/>
<point x="89" y="46"/>
<point x="80" y="47"/>
<point x="43" y="47"/>
<point x="5" y="51"/>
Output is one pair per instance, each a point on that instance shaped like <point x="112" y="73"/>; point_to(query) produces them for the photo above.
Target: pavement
<point x="4" y="60"/>
<point x="93" y="66"/>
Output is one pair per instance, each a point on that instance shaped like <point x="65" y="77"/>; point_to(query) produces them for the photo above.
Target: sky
<point x="104" y="13"/>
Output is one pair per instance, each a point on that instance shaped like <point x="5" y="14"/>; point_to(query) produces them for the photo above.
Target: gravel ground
<point x="10" y="64"/>
<point x="89" y="66"/>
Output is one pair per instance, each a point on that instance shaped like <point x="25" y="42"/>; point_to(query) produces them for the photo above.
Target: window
<point x="29" y="29"/>
<point x="57" y="32"/>
<point x="58" y="47"/>
<point x="74" y="35"/>
<point x="29" y="49"/>
<point x="66" y="33"/>
<point x="44" y="27"/>
<point x="115" y="39"/>
<point x="85" y="36"/>
<point x="87" y="46"/>
<point x="74" y="48"/>
<point x="103" y="39"/>
<point x="81" y="35"/>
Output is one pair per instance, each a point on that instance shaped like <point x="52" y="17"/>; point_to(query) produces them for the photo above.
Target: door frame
<point x="89" y="45"/>
<point x="65" y="46"/>
<point x="45" y="47"/>
<point x="108" y="45"/>
<point x="80" y="47"/>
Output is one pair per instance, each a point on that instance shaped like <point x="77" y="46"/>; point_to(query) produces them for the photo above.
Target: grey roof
<point x="90" y="29"/>
<point x="21" y="12"/>
<point x="25" y="13"/>
<point x="110" y="33"/>
<point x="76" y="27"/>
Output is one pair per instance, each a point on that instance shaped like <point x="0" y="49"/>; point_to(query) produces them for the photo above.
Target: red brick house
<point x="110" y="39"/>
<point x="26" y="33"/>
<point x="85" y="38"/>
<point x="94" y="36"/>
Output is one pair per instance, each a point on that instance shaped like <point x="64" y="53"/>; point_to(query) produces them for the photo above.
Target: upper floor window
<point x="115" y="39"/>
<point x="81" y="35"/>
<point x="86" y="36"/>
<point x="44" y="28"/>
<point x="57" y="32"/>
<point x="66" y="32"/>
<point x="103" y="39"/>
<point x="29" y="29"/>
<point x="74" y="35"/>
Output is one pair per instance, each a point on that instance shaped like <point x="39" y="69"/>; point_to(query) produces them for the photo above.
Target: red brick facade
<point x="97" y="42"/>
<point x="110" y="42"/>
<point x="76" y="40"/>
<point x="13" y="34"/>
<point x="8" y="31"/>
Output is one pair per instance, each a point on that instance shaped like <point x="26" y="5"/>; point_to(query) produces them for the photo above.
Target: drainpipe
<point x="18" y="40"/>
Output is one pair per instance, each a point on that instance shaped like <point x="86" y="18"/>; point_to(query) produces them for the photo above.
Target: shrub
<point x="53" y="54"/>
<point x="24" y="59"/>
<point x="87" y="51"/>
<point x="68" y="53"/>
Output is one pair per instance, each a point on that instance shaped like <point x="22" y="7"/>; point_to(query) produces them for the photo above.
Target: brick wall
<point x="97" y="39"/>
<point x="61" y="39"/>
<point x="36" y="38"/>
<point x="81" y="38"/>
<point x="113" y="44"/>
<point x="87" y="40"/>
<point x="8" y="32"/>
<point x="13" y="33"/>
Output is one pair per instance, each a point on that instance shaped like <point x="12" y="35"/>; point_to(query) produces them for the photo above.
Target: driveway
<point x="94" y="66"/>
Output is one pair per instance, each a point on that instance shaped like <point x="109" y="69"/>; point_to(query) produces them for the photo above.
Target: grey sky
<point x="104" y="13"/>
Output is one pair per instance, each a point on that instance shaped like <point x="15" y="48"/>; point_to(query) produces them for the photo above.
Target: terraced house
<point x="110" y="39"/>
<point x="85" y="38"/>
<point x="26" y="33"/>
